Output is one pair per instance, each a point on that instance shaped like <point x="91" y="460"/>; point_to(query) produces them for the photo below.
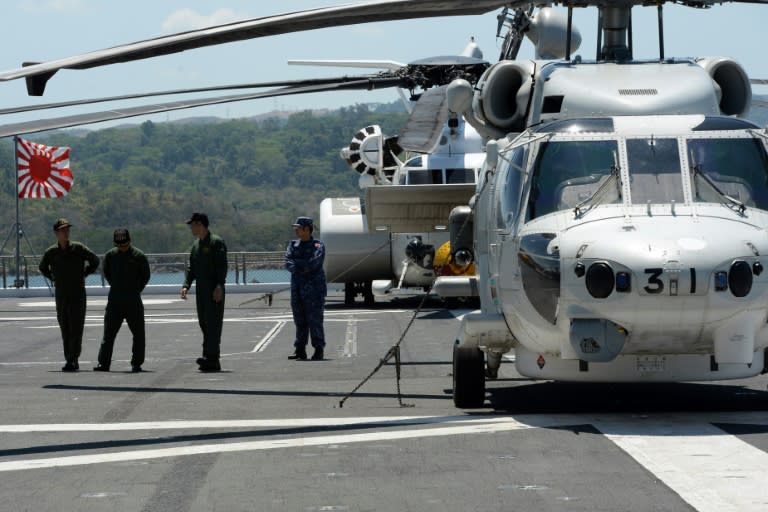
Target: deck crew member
<point x="126" y="269"/>
<point x="207" y="266"/>
<point x="66" y="264"/>
<point x="304" y="260"/>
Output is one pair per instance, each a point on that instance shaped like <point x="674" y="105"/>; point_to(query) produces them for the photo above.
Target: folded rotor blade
<point x="285" y="83"/>
<point x="122" y="113"/>
<point x="425" y="124"/>
<point x="350" y="14"/>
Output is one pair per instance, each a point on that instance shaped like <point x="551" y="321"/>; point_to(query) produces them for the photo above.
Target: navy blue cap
<point x="302" y="221"/>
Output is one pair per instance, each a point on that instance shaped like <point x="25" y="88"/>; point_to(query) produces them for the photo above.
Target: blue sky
<point x="49" y="29"/>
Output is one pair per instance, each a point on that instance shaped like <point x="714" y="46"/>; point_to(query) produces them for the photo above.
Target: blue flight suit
<point x="304" y="260"/>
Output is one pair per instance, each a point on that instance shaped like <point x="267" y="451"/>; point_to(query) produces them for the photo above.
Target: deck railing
<point x="166" y="269"/>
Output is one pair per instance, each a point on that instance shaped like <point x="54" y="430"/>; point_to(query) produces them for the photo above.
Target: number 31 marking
<point x="656" y="285"/>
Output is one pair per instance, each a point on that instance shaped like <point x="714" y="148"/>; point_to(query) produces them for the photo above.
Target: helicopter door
<point x="508" y="198"/>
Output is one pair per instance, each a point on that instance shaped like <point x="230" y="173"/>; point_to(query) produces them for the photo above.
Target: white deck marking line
<point x="710" y="469"/>
<point x="98" y="302"/>
<point x="350" y="342"/>
<point x="188" y="320"/>
<point x="345" y="438"/>
<point x="271" y="335"/>
<point x="262" y="423"/>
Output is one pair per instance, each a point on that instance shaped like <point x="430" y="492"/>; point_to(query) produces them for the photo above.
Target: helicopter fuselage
<point x="625" y="249"/>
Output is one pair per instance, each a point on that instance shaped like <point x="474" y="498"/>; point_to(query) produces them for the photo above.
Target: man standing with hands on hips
<point x="126" y="269"/>
<point x="207" y="266"/>
<point x="304" y="260"/>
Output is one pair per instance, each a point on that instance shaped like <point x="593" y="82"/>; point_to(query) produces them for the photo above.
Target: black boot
<point x="318" y="355"/>
<point x="300" y="354"/>
<point x="209" y="365"/>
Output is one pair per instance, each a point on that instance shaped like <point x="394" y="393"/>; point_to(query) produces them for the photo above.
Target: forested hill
<point x="251" y="177"/>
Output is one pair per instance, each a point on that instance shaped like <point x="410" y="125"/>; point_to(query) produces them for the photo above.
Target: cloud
<point x="52" y="5"/>
<point x="189" y="19"/>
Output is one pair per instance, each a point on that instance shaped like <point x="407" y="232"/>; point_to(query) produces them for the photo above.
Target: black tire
<point x="468" y="377"/>
<point x="368" y="299"/>
<point x="349" y="293"/>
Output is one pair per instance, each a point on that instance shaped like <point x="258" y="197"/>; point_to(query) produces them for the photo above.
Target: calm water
<point x="253" y="276"/>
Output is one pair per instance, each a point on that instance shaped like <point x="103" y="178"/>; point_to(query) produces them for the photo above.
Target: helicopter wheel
<point x="468" y="377"/>
<point x="368" y="299"/>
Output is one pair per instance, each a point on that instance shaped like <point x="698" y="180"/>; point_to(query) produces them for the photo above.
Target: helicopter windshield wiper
<point x="697" y="172"/>
<point x="598" y="194"/>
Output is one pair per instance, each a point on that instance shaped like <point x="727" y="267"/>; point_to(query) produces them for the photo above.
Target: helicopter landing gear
<point x="354" y="288"/>
<point x="492" y="365"/>
<point x="468" y="377"/>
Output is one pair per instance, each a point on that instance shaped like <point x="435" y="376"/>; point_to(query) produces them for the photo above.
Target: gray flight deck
<point x="268" y="434"/>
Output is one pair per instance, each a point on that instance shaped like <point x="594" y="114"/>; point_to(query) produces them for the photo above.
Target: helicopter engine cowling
<point x="499" y="103"/>
<point x="731" y="83"/>
<point x="503" y="92"/>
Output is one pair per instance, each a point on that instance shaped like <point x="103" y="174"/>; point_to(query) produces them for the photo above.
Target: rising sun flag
<point x="43" y="171"/>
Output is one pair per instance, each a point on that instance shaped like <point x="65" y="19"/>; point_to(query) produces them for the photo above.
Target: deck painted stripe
<point x="298" y="442"/>
<point x="383" y="421"/>
<point x="271" y="335"/>
<point x="710" y="469"/>
<point x="350" y="341"/>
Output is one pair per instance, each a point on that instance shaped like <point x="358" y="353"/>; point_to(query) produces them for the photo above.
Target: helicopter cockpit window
<point x="425" y="176"/>
<point x="416" y="161"/>
<point x="568" y="173"/>
<point x="654" y="171"/>
<point x="459" y="175"/>
<point x="738" y="168"/>
<point x="509" y="196"/>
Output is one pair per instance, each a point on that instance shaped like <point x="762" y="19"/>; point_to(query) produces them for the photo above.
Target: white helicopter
<point x="416" y="196"/>
<point x="619" y="224"/>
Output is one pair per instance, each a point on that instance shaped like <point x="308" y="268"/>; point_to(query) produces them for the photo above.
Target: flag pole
<point x="18" y="283"/>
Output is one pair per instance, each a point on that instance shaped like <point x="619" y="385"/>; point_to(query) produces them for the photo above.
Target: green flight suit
<point x="66" y="268"/>
<point x="127" y="274"/>
<point x="208" y="266"/>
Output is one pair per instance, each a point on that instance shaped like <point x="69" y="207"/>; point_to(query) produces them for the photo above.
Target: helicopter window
<point x="717" y="123"/>
<point x="654" y="171"/>
<point x="569" y="172"/>
<point x="583" y="125"/>
<point x="414" y="162"/>
<point x="425" y="177"/>
<point x="459" y="175"/>
<point x="510" y="193"/>
<point x="737" y="167"/>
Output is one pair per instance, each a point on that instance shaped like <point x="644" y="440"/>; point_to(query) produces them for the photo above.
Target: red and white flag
<point x="43" y="171"/>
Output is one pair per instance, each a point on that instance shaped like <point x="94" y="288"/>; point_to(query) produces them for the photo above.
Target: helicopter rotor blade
<point x="284" y="83"/>
<point x="110" y="115"/>
<point x="38" y="73"/>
